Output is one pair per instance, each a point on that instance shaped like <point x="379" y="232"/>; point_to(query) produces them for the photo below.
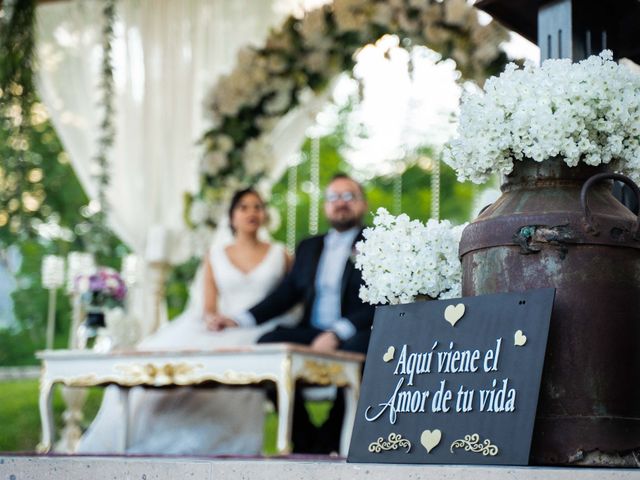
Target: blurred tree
<point x="20" y="198"/>
<point x="42" y="205"/>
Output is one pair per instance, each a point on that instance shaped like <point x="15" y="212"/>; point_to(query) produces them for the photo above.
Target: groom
<point x="324" y="279"/>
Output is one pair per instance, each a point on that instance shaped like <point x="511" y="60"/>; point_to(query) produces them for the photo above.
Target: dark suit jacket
<point x="299" y="285"/>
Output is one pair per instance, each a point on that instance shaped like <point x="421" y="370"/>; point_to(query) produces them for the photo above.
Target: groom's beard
<point x="344" y="224"/>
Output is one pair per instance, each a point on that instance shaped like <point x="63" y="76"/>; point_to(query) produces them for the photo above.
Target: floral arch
<point x="298" y="62"/>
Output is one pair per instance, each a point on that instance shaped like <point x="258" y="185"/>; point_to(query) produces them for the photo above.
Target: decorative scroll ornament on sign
<point x="471" y="443"/>
<point x="393" y="442"/>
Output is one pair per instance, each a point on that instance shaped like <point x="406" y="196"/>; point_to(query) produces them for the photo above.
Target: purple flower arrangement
<point x="104" y="288"/>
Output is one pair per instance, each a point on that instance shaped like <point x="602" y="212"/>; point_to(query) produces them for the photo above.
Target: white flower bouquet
<point x="582" y="112"/>
<point x="402" y="258"/>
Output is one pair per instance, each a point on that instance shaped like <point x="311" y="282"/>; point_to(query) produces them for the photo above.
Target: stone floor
<point x="143" y="468"/>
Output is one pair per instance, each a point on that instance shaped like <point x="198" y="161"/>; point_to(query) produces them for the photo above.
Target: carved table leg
<point x="123" y="442"/>
<point x="46" y="416"/>
<point x="285" y="407"/>
<point x="351" y="394"/>
<point x="74" y="398"/>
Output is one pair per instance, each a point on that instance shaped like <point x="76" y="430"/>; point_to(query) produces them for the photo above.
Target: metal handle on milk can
<point x="591" y="224"/>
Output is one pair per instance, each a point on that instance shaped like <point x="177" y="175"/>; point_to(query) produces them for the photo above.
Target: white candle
<point x="130" y="269"/>
<point x="157" y="244"/>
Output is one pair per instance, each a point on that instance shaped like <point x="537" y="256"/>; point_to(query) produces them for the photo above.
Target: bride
<point x="199" y="420"/>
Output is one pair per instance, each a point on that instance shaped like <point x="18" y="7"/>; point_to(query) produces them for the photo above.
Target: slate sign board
<point x="453" y="381"/>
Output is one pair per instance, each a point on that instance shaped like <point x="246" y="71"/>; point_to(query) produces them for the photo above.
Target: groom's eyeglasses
<point x="333" y="197"/>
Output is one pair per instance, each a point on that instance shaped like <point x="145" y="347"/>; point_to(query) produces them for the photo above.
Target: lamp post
<point x="52" y="279"/>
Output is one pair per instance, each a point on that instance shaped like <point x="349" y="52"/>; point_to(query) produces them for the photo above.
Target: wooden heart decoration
<point x="430" y="439"/>
<point x="387" y="357"/>
<point x="519" y="339"/>
<point x="453" y="313"/>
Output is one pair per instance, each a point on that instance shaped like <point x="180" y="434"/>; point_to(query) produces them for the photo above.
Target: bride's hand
<point x="217" y="322"/>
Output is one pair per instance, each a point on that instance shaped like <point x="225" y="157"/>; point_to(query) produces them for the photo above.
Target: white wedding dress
<point x="197" y="421"/>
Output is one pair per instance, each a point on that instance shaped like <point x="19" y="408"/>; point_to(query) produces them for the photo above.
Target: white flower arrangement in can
<point x="581" y="112"/>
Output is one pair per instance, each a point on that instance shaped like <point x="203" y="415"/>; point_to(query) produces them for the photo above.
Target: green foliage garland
<point x="99" y="233"/>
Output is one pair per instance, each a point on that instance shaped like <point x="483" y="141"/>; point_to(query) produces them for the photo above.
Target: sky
<point x="401" y="111"/>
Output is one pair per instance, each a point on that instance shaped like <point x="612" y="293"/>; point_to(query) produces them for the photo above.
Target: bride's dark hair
<point x="235" y="200"/>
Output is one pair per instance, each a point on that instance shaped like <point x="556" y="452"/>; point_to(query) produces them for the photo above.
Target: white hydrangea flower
<point x="279" y="102"/>
<point x="317" y="61"/>
<point x="456" y="12"/>
<point x="266" y="123"/>
<point x="244" y="86"/>
<point x="276" y="64"/>
<point x="224" y="143"/>
<point x="382" y="13"/>
<point x="582" y="112"/>
<point x="401" y="258"/>
<point x="351" y="15"/>
<point x="199" y="212"/>
<point x="313" y="27"/>
<point x="257" y="157"/>
<point x="213" y="162"/>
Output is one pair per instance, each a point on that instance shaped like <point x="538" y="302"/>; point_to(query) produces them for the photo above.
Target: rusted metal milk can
<point x="540" y="233"/>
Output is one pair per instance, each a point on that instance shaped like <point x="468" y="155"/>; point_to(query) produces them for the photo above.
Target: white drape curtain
<point x="166" y="55"/>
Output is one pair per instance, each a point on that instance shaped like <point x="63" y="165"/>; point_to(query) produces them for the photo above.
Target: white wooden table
<point x="281" y="363"/>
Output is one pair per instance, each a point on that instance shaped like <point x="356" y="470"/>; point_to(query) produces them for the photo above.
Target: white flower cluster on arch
<point x="298" y="62"/>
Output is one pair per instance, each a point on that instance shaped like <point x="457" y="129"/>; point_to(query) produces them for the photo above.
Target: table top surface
<point x="262" y="349"/>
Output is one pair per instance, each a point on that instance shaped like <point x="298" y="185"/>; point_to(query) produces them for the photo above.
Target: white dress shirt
<point x="326" y="308"/>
